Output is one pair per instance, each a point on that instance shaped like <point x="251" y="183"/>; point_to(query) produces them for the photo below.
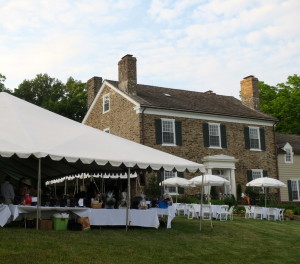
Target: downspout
<point x="143" y="128"/>
<point x="276" y="157"/>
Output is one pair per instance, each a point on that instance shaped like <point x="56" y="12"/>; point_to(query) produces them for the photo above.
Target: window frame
<point x="257" y="170"/>
<point x="167" y="188"/>
<point x="219" y="135"/>
<point x="162" y="132"/>
<point x="288" y="153"/>
<point x="258" y="138"/>
<point x="106" y="97"/>
<point x="297" y="184"/>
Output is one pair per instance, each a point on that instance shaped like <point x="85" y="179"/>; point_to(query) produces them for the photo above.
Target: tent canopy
<point x="29" y="132"/>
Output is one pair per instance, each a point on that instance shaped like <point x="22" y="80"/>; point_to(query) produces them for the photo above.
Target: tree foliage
<point x="68" y="99"/>
<point x="283" y="101"/>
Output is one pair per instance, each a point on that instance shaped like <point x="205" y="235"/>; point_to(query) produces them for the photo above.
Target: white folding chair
<point x="249" y="213"/>
<point x="258" y="213"/>
<point x="222" y="212"/>
<point x="281" y="216"/>
<point x="271" y="213"/>
<point x="206" y="212"/>
<point x="230" y="213"/>
<point x="190" y="211"/>
<point x="180" y="209"/>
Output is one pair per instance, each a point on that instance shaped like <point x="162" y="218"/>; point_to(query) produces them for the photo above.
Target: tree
<point x="74" y="103"/>
<point x="283" y="102"/>
<point x="68" y="99"/>
<point x="2" y="86"/>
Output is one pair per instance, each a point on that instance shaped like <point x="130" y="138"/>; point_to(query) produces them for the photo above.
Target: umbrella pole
<point x="201" y="201"/>
<point x="128" y="199"/>
<point x="211" y="223"/>
<point x="265" y="197"/>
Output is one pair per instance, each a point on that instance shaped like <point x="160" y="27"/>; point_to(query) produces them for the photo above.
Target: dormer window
<point x="106" y="103"/>
<point x="288" y="157"/>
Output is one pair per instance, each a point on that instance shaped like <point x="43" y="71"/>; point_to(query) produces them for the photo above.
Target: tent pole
<point x="38" y="213"/>
<point x="128" y="199"/>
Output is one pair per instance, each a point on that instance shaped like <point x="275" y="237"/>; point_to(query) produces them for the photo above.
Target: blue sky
<point x="194" y="45"/>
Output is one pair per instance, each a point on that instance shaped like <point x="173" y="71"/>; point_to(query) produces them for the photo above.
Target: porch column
<point x="232" y="182"/>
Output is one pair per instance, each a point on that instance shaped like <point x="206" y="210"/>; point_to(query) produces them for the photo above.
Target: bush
<point x="230" y="201"/>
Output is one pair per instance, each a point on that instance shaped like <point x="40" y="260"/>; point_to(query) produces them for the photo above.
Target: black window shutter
<point x="247" y="139"/>
<point x="262" y="139"/>
<point x="249" y="175"/>
<point x="158" y="131"/>
<point x="265" y="173"/>
<point x="180" y="189"/>
<point x="223" y="136"/>
<point x="289" y="184"/>
<point x="205" y="135"/>
<point x="178" y="133"/>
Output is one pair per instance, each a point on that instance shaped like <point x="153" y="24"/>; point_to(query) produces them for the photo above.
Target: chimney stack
<point x="93" y="87"/>
<point x="250" y="92"/>
<point x="127" y="74"/>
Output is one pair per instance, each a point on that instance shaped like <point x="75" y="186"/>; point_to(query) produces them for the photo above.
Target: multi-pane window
<point x="214" y="135"/>
<point x="254" y="138"/>
<point x="167" y="175"/>
<point x="106" y="103"/>
<point x="168" y="131"/>
<point x="295" y="184"/>
<point x="257" y="174"/>
<point x="288" y="155"/>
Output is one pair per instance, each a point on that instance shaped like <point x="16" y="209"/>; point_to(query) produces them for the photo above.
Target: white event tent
<point x="37" y="143"/>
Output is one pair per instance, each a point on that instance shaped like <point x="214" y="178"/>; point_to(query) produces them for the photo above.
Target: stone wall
<point x="121" y="120"/>
<point x="193" y="146"/>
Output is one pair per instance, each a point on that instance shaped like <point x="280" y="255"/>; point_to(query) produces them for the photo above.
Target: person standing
<point x="7" y="191"/>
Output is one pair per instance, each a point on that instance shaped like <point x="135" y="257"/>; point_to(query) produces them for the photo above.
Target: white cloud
<point x="187" y="44"/>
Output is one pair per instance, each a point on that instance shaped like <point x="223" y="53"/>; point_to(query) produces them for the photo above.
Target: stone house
<point x="232" y="138"/>
<point x="288" y="149"/>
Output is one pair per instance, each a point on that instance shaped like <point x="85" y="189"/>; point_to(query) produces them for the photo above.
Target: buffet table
<point x="97" y="217"/>
<point x="46" y="211"/>
<point x="5" y="214"/>
<point x="117" y="217"/>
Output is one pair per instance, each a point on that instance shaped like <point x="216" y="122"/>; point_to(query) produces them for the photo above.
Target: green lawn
<point x="238" y="241"/>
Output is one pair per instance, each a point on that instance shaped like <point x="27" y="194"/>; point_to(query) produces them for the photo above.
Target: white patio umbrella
<point x="207" y="180"/>
<point x="265" y="182"/>
<point x="176" y="182"/>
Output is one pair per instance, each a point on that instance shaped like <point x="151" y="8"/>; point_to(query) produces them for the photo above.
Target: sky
<point x="196" y="45"/>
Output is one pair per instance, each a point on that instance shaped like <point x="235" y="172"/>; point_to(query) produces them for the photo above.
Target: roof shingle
<point x="191" y="101"/>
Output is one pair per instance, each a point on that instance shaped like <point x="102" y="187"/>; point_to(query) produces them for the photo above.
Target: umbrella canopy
<point x="175" y="182"/>
<point x="208" y="180"/>
<point x="266" y="182"/>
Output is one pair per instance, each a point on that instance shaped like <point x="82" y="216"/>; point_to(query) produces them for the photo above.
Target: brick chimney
<point x="127" y="74"/>
<point x="93" y="86"/>
<point x="250" y="92"/>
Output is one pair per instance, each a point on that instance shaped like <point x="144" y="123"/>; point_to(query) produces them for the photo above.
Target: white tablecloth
<point x="5" y="214"/>
<point x="47" y="212"/>
<point x="169" y="212"/>
<point x="117" y="217"/>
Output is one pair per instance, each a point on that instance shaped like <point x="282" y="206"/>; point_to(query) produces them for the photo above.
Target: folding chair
<point x="271" y="213"/>
<point x="222" y="213"/>
<point x="206" y="212"/>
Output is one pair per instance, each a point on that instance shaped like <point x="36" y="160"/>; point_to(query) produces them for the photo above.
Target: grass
<point x="238" y="241"/>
